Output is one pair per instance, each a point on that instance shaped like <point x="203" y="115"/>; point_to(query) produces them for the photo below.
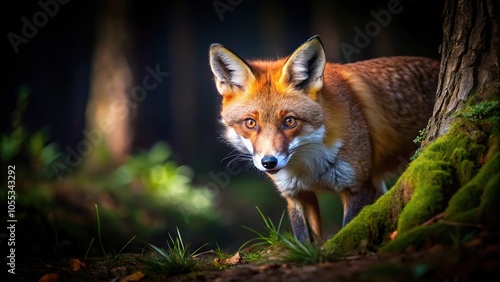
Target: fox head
<point x="270" y="108"/>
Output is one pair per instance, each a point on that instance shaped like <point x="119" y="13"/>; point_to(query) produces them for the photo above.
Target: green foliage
<point x="148" y="192"/>
<point x="21" y="145"/>
<point x="255" y="256"/>
<point x="416" y="154"/>
<point x="421" y="136"/>
<point x="272" y="238"/>
<point x="481" y="110"/>
<point x="166" y="180"/>
<point x="301" y="252"/>
<point x="219" y="253"/>
<point x="175" y="259"/>
<point x="11" y="144"/>
<point x="285" y="247"/>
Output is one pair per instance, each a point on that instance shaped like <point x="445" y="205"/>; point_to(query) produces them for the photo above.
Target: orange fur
<point x="312" y="125"/>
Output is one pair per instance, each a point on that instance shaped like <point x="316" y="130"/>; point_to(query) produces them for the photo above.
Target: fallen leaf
<point x="136" y="276"/>
<point x="76" y="264"/>
<point x="49" y="277"/>
<point x="235" y="259"/>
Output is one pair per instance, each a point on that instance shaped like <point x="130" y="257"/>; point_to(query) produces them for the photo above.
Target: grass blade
<point x="88" y="249"/>
<point x="99" y="229"/>
<point x="129" y="241"/>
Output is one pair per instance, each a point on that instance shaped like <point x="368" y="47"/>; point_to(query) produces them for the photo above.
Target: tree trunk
<point x="454" y="181"/>
<point x="470" y="59"/>
<point x="183" y="100"/>
<point x="109" y="110"/>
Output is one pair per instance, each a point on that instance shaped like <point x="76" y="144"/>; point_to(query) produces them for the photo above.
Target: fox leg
<point x="354" y="202"/>
<point x="305" y="217"/>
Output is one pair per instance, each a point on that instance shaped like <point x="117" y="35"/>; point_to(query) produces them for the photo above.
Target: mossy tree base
<point x="458" y="176"/>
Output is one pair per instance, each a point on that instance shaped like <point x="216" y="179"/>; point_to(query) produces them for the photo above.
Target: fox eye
<point x="250" y="123"/>
<point x="290" y="122"/>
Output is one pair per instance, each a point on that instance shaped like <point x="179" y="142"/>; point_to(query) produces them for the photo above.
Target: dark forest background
<point x="57" y="66"/>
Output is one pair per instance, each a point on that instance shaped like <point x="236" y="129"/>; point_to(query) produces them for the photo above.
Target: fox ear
<point x="304" y="68"/>
<point x="232" y="74"/>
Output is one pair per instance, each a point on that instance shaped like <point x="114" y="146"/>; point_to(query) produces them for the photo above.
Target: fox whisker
<point x="236" y="156"/>
<point x="311" y="125"/>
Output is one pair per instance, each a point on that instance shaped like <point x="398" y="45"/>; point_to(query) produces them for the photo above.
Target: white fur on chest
<point x="315" y="167"/>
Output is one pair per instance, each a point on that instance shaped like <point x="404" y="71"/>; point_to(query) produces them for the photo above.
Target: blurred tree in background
<point x="109" y="114"/>
<point x="112" y="103"/>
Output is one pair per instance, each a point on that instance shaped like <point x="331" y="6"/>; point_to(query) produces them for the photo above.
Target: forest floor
<point x="475" y="260"/>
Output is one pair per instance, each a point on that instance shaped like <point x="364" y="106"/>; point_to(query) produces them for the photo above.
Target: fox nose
<point x="269" y="162"/>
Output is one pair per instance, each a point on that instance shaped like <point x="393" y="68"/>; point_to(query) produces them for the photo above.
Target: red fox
<point x="312" y="125"/>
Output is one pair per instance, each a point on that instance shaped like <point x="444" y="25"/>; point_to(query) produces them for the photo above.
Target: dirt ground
<point x="476" y="260"/>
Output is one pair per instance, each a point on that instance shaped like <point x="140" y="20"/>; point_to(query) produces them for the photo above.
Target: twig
<point x="433" y="219"/>
<point x="462" y="224"/>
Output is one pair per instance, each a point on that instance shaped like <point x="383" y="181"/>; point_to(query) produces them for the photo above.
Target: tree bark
<point x="469" y="59"/>
<point x="456" y="177"/>
<point x="109" y="110"/>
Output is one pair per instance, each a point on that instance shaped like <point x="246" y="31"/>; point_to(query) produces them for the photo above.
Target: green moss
<point x="371" y="226"/>
<point x="465" y="171"/>
<point x="466" y="198"/>
<point x="430" y="177"/>
<point x="446" y="177"/>
<point x="442" y="168"/>
<point x="481" y="191"/>
<point x="489" y="209"/>
<point x="475" y="203"/>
